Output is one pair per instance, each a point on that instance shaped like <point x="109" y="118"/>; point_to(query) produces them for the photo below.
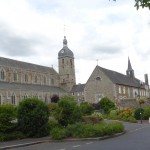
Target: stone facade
<point x="19" y="79"/>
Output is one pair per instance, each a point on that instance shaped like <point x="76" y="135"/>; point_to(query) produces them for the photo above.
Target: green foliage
<point x="146" y="113"/>
<point x="98" y="114"/>
<point x="58" y="133"/>
<point x="52" y="123"/>
<point x="106" y="104"/>
<point x="142" y="3"/>
<point x="86" y="108"/>
<point x="11" y="136"/>
<point x="70" y="111"/>
<point x="7" y="116"/>
<point x="137" y="113"/>
<point x="81" y="130"/>
<point x="33" y="117"/>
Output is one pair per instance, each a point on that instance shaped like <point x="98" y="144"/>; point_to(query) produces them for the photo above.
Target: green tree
<point x="86" y="108"/>
<point x="7" y="116"/>
<point x="70" y="111"/>
<point x="106" y="104"/>
<point x="33" y="117"/>
<point x="141" y="3"/>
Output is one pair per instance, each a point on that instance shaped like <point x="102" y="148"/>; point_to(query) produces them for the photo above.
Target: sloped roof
<point x="78" y="88"/>
<point x="29" y="87"/>
<point x="121" y="79"/>
<point x="24" y="65"/>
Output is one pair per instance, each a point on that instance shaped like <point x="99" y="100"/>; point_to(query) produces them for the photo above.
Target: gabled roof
<point x="24" y="65"/>
<point x="30" y="87"/>
<point x="119" y="78"/>
<point x="78" y="88"/>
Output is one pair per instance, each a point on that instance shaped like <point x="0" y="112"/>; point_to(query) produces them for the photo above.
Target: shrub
<point x="86" y="108"/>
<point x="7" y="116"/>
<point x="106" y="104"/>
<point x="146" y="113"/>
<point x="98" y="114"/>
<point x="90" y="119"/>
<point x="70" y="111"/>
<point x="11" y="136"/>
<point x="58" y="133"/>
<point x="81" y="130"/>
<point x="33" y="117"/>
<point x="137" y="113"/>
<point x="52" y="123"/>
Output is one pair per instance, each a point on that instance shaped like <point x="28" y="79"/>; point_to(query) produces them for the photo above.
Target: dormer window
<point x="98" y="78"/>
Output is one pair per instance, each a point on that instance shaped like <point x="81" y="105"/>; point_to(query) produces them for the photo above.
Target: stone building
<point x="114" y="85"/>
<point x="19" y="79"/>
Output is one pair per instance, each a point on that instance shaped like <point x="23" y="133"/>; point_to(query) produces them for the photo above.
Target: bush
<point x="58" y="133"/>
<point x="146" y="113"/>
<point x="11" y="136"/>
<point x="70" y="111"/>
<point x="7" y="116"/>
<point x="137" y="113"/>
<point x="33" y="117"/>
<point x="106" y="104"/>
<point x="52" y="123"/>
<point x="86" y="108"/>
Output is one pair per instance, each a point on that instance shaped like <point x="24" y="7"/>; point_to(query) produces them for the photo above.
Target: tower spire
<point x="130" y="71"/>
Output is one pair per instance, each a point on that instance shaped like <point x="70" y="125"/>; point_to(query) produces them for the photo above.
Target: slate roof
<point x="29" y="87"/>
<point x="24" y="65"/>
<point x="121" y="79"/>
<point x="78" y="88"/>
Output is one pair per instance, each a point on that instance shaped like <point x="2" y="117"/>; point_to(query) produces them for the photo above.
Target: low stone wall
<point x="132" y="103"/>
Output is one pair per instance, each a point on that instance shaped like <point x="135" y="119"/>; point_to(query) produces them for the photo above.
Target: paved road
<point x="136" y="138"/>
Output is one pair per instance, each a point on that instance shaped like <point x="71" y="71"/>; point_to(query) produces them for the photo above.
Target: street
<point x="137" y="137"/>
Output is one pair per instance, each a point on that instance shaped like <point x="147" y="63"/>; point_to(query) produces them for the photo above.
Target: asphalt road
<point x="137" y="137"/>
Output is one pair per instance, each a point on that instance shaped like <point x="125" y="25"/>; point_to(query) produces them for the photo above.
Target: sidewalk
<point x="23" y="142"/>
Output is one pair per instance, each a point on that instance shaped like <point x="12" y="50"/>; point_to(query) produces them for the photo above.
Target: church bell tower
<point x="66" y="67"/>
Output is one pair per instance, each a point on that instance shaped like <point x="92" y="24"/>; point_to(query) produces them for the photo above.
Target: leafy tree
<point x="141" y="3"/>
<point x="33" y="117"/>
<point x="70" y="111"/>
<point x="86" y="108"/>
<point x="106" y="104"/>
<point x="7" y="116"/>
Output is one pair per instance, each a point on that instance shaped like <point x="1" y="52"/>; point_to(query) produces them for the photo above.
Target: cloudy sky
<point x="33" y="30"/>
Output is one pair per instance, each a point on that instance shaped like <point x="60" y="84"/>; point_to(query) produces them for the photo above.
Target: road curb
<point x="64" y="140"/>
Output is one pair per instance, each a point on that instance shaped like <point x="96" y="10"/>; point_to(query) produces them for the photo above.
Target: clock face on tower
<point x="62" y="51"/>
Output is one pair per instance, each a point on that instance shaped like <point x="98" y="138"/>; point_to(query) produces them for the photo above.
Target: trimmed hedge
<point x="81" y="130"/>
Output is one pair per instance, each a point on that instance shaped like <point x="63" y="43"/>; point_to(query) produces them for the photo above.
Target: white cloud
<point x="32" y="30"/>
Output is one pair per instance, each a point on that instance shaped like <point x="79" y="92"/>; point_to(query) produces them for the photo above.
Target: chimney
<point x="146" y="79"/>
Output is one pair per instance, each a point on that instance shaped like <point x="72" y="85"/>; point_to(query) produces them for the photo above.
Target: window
<point x="71" y="62"/>
<point x="2" y="77"/>
<point x="119" y="89"/>
<point x="15" y="76"/>
<point x="1" y="100"/>
<point x="13" y="99"/>
<point x="52" y="81"/>
<point x="124" y="90"/>
<point x="46" y="99"/>
<point x="44" y="80"/>
<point x="35" y="79"/>
<point x="26" y="78"/>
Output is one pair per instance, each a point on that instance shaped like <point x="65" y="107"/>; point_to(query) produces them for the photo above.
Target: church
<point x="19" y="80"/>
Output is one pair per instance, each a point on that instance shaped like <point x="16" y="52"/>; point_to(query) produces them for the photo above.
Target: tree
<point x="70" y="111"/>
<point x="141" y="3"/>
<point x="106" y="104"/>
<point x="33" y="117"/>
<point x="7" y="116"/>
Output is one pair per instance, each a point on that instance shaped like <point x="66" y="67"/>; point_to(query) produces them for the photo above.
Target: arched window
<point x="2" y="76"/>
<point x="36" y="79"/>
<point x="26" y="78"/>
<point x="15" y="77"/>
<point x="13" y="99"/>
<point x="52" y="81"/>
<point x="1" y="100"/>
<point x="44" y="80"/>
